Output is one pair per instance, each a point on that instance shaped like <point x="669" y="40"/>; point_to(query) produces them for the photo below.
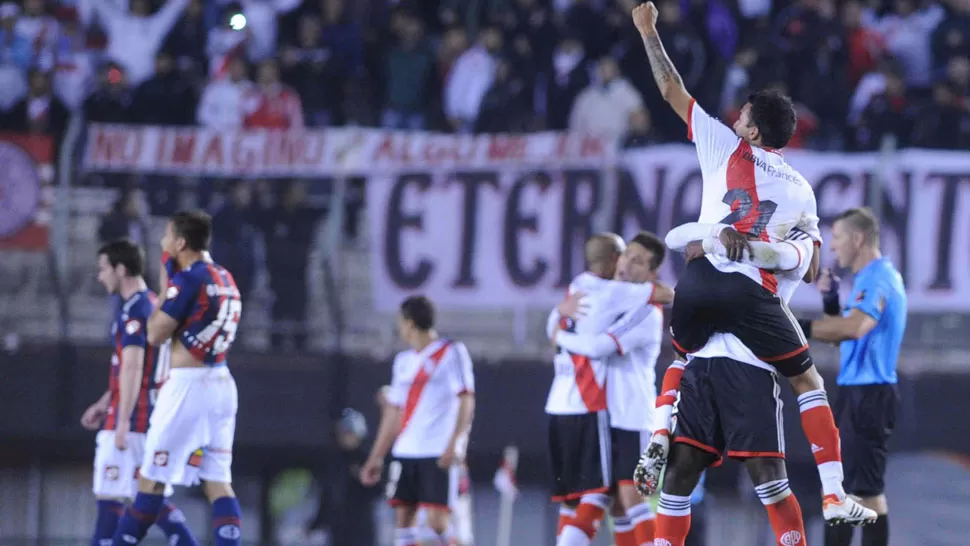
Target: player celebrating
<point x="579" y="432"/>
<point x="871" y="332"/>
<point x="192" y="427"/>
<point x="429" y="410"/>
<point x="763" y="198"/>
<point x="631" y="346"/>
<point x="137" y="369"/>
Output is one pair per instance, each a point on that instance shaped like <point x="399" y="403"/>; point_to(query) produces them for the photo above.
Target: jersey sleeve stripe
<point x="690" y="120"/>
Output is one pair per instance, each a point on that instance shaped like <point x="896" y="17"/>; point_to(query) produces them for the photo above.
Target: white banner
<point x="493" y="238"/>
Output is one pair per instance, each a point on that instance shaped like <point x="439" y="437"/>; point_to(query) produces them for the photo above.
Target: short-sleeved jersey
<point x="728" y="345"/>
<point x="205" y="302"/>
<point x="631" y="375"/>
<point x="129" y="330"/>
<point x="579" y="385"/>
<point x="877" y="291"/>
<point x="750" y="188"/>
<point x="427" y="386"/>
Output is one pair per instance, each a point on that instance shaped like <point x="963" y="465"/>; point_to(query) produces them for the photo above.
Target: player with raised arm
<point x="750" y="188"/>
<point x="427" y="416"/>
<point x="191" y="431"/>
<point x="630" y="347"/>
<point x="580" y="446"/>
<point x="137" y="370"/>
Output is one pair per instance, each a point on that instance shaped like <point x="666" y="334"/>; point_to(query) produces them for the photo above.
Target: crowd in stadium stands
<point x="857" y="70"/>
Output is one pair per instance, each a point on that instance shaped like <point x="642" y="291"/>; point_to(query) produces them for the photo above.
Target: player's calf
<point x="109" y="513"/>
<point x="566" y="515"/>
<point x="171" y="521"/>
<point x="139" y="517"/>
<point x="226" y="513"/>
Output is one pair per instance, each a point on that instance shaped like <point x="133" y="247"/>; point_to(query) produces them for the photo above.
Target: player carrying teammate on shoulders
<point x="630" y="346"/>
<point x="580" y="447"/>
<point x="749" y="188"/>
<point x="428" y="413"/>
<point x="192" y="428"/>
<point x="137" y="370"/>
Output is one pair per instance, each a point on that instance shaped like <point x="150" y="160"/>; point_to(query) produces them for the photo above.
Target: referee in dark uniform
<point x="870" y="329"/>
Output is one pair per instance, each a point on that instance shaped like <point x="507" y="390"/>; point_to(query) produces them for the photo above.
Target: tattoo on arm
<point x="664" y="72"/>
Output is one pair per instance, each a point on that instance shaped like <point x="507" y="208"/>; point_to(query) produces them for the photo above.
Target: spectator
<point x="738" y="81"/>
<point x="470" y="79"/>
<point x="272" y="105"/>
<point x="40" y="112"/>
<point x="951" y="38"/>
<point x="126" y="219"/>
<point x="166" y="98"/>
<point x="584" y="21"/>
<point x="187" y="40"/>
<point x="532" y="21"/>
<point x="943" y="122"/>
<point x="639" y="131"/>
<point x="15" y="57"/>
<point x="41" y="31"/>
<point x="410" y="68"/>
<point x="309" y="68"/>
<point x="261" y="25"/>
<point x="506" y="107"/>
<point x="891" y="112"/>
<point x="223" y="103"/>
<point x="958" y="73"/>
<point x="342" y="34"/>
<point x="288" y="229"/>
<point x="225" y="42"/>
<point x="906" y="31"/>
<point x="134" y="38"/>
<point x="865" y="46"/>
<point x="234" y="236"/>
<point x="569" y="77"/>
<point x="74" y="72"/>
<point x="453" y="44"/>
<point x="603" y="109"/>
<point x="871" y="85"/>
<point x="111" y="101"/>
<point x="686" y="50"/>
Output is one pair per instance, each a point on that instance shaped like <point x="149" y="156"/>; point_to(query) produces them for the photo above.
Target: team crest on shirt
<point x="160" y="458"/>
<point x="860" y="296"/>
<point x="111" y="473"/>
<point x="171" y="292"/>
<point x="132" y="327"/>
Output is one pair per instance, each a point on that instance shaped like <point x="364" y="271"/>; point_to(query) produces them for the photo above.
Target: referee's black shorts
<point x="866" y="417"/>
<point x="708" y="300"/>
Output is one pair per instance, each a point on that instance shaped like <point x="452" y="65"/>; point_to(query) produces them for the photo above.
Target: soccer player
<point x="137" y="370"/>
<point x="870" y="331"/>
<point x="429" y="410"/>
<point x="750" y="188"/>
<point x="192" y="427"/>
<point x="630" y="346"/>
<point x="579" y="431"/>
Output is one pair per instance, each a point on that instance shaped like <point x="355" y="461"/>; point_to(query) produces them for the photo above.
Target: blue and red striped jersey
<point x="205" y="302"/>
<point x="129" y="330"/>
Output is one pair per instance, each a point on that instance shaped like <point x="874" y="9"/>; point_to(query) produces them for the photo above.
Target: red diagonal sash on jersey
<point x="741" y="175"/>
<point x="593" y="395"/>
<point x="420" y="380"/>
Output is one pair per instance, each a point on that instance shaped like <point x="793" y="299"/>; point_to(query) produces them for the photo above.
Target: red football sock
<point x="644" y="523"/>
<point x="819" y="426"/>
<point x="673" y="519"/>
<point x="589" y="513"/>
<point x="566" y="515"/>
<point x="784" y="513"/>
<point x="623" y="532"/>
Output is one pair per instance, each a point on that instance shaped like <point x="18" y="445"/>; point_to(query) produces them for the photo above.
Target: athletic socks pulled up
<point x="227" y="522"/>
<point x="784" y="513"/>
<point x="623" y="532"/>
<point x="171" y="521"/>
<point x="566" y="515"/>
<point x="673" y="519"/>
<point x="644" y="523"/>
<point x="581" y="530"/>
<point x="819" y="426"/>
<point x="876" y="534"/>
<point x="137" y="519"/>
<point x="668" y="395"/>
<point x="109" y="513"/>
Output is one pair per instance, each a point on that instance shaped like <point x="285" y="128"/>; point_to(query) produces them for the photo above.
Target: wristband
<point x="170" y="265"/>
<point x="806" y="326"/>
<point x="830" y="303"/>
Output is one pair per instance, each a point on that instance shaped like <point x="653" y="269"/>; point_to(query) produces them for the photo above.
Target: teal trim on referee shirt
<point x="877" y="291"/>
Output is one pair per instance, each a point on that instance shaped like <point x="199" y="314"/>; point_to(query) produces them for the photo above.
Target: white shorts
<point x="116" y="471"/>
<point x="191" y="430"/>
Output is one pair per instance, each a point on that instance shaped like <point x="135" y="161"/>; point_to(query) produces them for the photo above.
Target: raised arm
<point x="787" y="255"/>
<point x="668" y="80"/>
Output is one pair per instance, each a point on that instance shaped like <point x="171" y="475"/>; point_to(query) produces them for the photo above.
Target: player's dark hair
<point x="195" y="227"/>
<point x="862" y="219"/>
<point x="126" y="253"/>
<point x="773" y="113"/>
<point x="420" y="311"/>
<point x="652" y="243"/>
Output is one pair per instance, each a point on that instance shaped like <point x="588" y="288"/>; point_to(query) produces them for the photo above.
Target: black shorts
<point x="709" y="301"/>
<point x="579" y="455"/>
<point x="626" y="447"/>
<point x="729" y="407"/>
<point x="866" y="417"/>
<point x="419" y="482"/>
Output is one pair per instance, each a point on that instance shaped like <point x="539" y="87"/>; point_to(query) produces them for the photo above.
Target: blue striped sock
<point x="137" y="519"/>
<point x="109" y="512"/>
<point x="226" y="521"/>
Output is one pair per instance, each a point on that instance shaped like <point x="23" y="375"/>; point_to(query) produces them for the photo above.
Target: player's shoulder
<point x="139" y="306"/>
